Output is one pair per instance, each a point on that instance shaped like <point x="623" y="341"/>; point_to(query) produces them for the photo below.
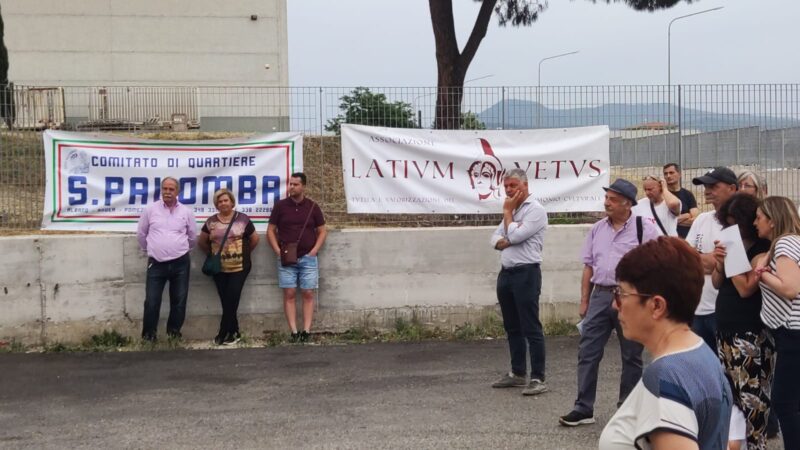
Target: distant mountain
<point x="521" y="114"/>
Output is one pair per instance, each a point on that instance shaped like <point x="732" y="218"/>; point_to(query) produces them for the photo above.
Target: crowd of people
<point x="725" y="344"/>
<point x="725" y="347"/>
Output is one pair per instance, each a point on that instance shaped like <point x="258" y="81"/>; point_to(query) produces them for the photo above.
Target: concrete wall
<point x="64" y="288"/>
<point x="146" y="42"/>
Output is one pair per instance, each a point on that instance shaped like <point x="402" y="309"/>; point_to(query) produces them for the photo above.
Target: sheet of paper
<point x="736" y="261"/>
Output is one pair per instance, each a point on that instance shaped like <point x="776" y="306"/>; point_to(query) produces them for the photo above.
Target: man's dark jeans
<point x="705" y="326"/>
<point x="785" y="387"/>
<point x="518" y="291"/>
<point x="176" y="272"/>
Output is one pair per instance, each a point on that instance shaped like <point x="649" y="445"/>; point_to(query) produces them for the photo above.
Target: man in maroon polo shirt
<point x="298" y="219"/>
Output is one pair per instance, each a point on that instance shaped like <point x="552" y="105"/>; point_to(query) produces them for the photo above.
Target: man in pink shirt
<point x="167" y="232"/>
<point x="606" y="243"/>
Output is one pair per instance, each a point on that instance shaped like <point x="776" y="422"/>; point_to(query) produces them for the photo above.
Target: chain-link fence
<point x="699" y="126"/>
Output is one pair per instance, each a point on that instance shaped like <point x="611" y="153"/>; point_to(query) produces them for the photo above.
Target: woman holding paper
<point x="779" y="272"/>
<point x="744" y="348"/>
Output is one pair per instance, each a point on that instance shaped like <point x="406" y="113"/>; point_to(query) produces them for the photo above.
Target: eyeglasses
<point x="650" y="177"/>
<point x="618" y="293"/>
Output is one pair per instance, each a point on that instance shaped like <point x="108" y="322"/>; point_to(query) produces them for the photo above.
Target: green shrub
<point x="107" y="340"/>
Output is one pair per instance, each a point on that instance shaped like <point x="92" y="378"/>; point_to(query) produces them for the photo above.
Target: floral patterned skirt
<point x="748" y="360"/>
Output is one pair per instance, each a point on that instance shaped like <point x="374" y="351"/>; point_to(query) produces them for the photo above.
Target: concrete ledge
<point x="66" y="288"/>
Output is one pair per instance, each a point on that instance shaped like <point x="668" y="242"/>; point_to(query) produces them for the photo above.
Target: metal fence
<point x="699" y="126"/>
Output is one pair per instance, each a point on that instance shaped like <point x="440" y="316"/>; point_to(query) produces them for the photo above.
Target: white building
<point x="232" y="54"/>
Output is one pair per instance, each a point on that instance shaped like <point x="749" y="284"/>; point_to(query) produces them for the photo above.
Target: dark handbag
<point x="213" y="262"/>
<point x="289" y="249"/>
<point x="288" y="253"/>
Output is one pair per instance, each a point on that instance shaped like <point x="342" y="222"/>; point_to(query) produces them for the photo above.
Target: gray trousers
<point x="600" y="319"/>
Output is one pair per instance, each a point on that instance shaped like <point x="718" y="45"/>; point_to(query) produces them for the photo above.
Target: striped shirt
<point x="776" y="311"/>
<point x="685" y="393"/>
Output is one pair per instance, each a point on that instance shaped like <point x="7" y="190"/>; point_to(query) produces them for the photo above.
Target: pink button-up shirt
<point x="167" y="233"/>
<point x="604" y="247"/>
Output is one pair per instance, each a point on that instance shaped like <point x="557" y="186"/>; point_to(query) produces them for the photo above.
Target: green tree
<point x="7" y="110"/>
<point x="363" y="107"/>
<point x="470" y="121"/>
<point x="452" y="63"/>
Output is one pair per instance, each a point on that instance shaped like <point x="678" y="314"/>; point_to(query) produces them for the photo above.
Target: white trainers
<point x="535" y="387"/>
<point x="510" y="380"/>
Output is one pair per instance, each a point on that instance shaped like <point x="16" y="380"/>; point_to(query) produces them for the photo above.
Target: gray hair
<point x="758" y="180"/>
<point x="518" y="174"/>
<point x="174" y="180"/>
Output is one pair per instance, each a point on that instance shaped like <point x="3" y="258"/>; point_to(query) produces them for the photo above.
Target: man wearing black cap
<point x="607" y="241"/>
<point x="719" y="185"/>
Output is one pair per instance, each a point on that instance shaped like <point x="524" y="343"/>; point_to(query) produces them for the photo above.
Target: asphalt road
<point x="405" y="395"/>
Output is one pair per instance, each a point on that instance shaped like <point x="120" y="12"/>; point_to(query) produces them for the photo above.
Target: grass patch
<point x="490" y="326"/>
<point x="245" y="340"/>
<point x="413" y="330"/>
<point x="360" y="334"/>
<point x="560" y="327"/>
<point x="12" y="346"/>
<point x="275" y="338"/>
<point x="161" y="344"/>
<point x="60" y="347"/>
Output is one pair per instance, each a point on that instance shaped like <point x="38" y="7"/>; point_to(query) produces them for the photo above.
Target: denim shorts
<point x="305" y="273"/>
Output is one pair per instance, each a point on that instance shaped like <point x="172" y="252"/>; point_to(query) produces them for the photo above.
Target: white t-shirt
<point x="669" y="220"/>
<point x="704" y="231"/>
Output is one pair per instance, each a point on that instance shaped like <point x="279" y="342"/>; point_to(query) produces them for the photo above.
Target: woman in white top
<point x="779" y="279"/>
<point x="683" y="400"/>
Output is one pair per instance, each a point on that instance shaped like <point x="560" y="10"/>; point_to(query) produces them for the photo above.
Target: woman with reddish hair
<point x="682" y="400"/>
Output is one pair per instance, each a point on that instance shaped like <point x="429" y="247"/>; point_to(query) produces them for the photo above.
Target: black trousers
<point x="785" y="387"/>
<point x="518" y="292"/>
<point x="229" y="287"/>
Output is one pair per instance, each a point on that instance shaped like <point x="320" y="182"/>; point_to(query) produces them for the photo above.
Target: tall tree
<point x="7" y="110"/>
<point x="452" y="64"/>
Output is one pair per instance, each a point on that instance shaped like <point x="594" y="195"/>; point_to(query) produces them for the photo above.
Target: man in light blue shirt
<point x="519" y="238"/>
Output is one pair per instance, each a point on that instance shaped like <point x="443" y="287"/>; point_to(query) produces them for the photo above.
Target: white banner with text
<point x="103" y="182"/>
<point x="413" y="171"/>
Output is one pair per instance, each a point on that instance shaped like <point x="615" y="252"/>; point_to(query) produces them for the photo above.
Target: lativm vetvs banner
<point x="103" y="182"/>
<point x="398" y="170"/>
